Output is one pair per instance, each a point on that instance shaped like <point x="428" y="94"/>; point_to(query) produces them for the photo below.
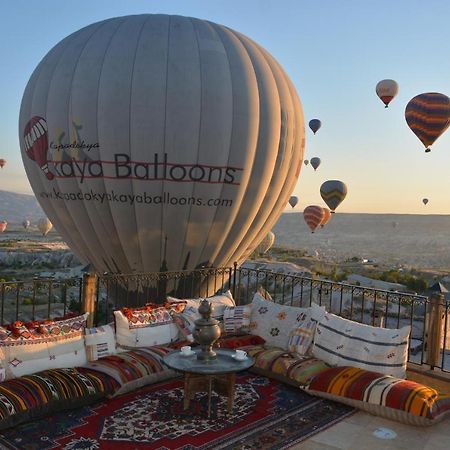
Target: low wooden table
<point x="218" y="375"/>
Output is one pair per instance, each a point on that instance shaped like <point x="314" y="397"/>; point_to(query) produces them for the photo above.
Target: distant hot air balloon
<point x="157" y="171"/>
<point x="425" y="201"/>
<point x="3" y="225"/>
<point x="2" y="163"/>
<point x="265" y="245"/>
<point x="306" y="162"/>
<point x="315" y="162"/>
<point x="395" y="224"/>
<point x="386" y="90"/>
<point x="428" y="116"/>
<point x="44" y="226"/>
<point x="313" y="216"/>
<point x="26" y="223"/>
<point x="326" y="217"/>
<point x="293" y="200"/>
<point x="333" y="192"/>
<point x="315" y="125"/>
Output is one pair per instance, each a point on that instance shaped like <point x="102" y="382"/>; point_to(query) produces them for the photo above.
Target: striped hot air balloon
<point x="428" y="116"/>
<point x="386" y="90"/>
<point x="326" y="217"/>
<point x="333" y="192"/>
<point x="3" y="225"/>
<point x="313" y="216"/>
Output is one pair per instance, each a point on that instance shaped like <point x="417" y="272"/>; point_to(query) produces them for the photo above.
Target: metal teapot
<point x="206" y="332"/>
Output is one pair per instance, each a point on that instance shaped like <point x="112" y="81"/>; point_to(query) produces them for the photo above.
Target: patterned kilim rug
<point x="266" y="415"/>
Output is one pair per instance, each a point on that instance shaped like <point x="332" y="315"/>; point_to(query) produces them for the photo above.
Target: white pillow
<point x="145" y="329"/>
<point x="273" y="322"/>
<point x="100" y="342"/>
<point x="342" y="342"/>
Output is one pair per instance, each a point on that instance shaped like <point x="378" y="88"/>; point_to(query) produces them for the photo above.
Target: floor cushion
<point x="285" y="366"/>
<point x="135" y="368"/>
<point x="393" y="398"/>
<point x="32" y="396"/>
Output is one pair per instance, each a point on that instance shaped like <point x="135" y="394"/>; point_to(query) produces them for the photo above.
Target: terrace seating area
<point x="55" y="365"/>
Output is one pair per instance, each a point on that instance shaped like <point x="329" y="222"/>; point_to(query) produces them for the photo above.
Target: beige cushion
<point x="100" y="342"/>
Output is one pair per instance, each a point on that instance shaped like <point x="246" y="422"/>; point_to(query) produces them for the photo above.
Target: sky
<point x="335" y="52"/>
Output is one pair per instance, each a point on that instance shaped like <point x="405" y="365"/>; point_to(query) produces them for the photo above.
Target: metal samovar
<point x="207" y="331"/>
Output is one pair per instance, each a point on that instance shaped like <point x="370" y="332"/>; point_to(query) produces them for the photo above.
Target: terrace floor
<point x="356" y="433"/>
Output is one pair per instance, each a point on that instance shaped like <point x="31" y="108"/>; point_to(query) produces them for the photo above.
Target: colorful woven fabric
<point x="31" y="396"/>
<point x="301" y="338"/>
<point x="236" y="319"/>
<point x="233" y="342"/>
<point x="132" y="365"/>
<point x="286" y="366"/>
<point x="378" y="389"/>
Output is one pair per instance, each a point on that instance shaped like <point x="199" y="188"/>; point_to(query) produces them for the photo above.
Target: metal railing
<point x="101" y="295"/>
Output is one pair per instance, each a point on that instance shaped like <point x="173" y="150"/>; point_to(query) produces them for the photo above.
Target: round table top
<point x="224" y="363"/>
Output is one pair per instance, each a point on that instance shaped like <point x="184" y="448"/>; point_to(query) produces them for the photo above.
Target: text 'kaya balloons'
<point x="386" y="90"/>
<point x="313" y="216"/>
<point x="293" y="200"/>
<point x="333" y="193"/>
<point x="428" y="116"/>
<point x="156" y="140"/>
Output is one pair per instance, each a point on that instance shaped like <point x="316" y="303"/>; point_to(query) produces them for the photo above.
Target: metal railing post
<point x="89" y="296"/>
<point x="434" y="326"/>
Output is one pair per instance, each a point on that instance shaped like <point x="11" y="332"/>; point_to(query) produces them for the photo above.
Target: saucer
<point x="187" y="354"/>
<point x="239" y="359"/>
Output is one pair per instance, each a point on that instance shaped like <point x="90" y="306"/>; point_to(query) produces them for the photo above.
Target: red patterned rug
<point x="266" y="415"/>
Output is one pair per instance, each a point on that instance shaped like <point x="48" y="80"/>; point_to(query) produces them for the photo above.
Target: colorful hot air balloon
<point x="3" y="225"/>
<point x="44" y="226"/>
<point x="306" y="162"/>
<point x="2" y="163"/>
<point x="265" y="245"/>
<point x="424" y="201"/>
<point x="315" y="125"/>
<point x="293" y="200"/>
<point x="386" y="90"/>
<point x="313" y="216"/>
<point x="428" y="116"/>
<point x="326" y="217"/>
<point x="333" y="192"/>
<point x="26" y="223"/>
<point x="315" y="162"/>
<point x="147" y="149"/>
<point x="35" y="141"/>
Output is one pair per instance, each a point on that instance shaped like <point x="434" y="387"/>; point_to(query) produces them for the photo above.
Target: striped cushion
<point x="285" y="366"/>
<point x="394" y="398"/>
<point x="236" y="319"/>
<point x="342" y="342"/>
<point x="33" y="396"/>
<point x="135" y="368"/>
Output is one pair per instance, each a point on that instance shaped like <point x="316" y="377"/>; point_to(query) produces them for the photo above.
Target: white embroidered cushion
<point x="145" y="328"/>
<point x="342" y="342"/>
<point x="273" y="322"/>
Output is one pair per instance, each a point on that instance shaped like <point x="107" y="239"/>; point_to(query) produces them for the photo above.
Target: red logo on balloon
<point x="36" y="143"/>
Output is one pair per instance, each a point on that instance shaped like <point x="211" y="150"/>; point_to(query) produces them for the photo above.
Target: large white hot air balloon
<point x="155" y="138"/>
<point x="265" y="245"/>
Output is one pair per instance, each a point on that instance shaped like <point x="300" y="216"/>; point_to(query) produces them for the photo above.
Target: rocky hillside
<point x="14" y="208"/>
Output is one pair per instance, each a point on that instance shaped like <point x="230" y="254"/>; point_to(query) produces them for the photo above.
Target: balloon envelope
<point x="326" y="217"/>
<point x="293" y="200"/>
<point x="161" y="141"/>
<point x="428" y="116"/>
<point x="44" y="226"/>
<point x="315" y="125"/>
<point x="313" y="216"/>
<point x="3" y="225"/>
<point x="315" y="162"/>
<point x="265" y="245"/>
<point x="306" y="162"/>
<point x="386" y="90"/>
<point x="333" y="193"/>
<point x="26" y="224"/>
<point x="425" y="201"/>
<point x="2" y="163"/>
